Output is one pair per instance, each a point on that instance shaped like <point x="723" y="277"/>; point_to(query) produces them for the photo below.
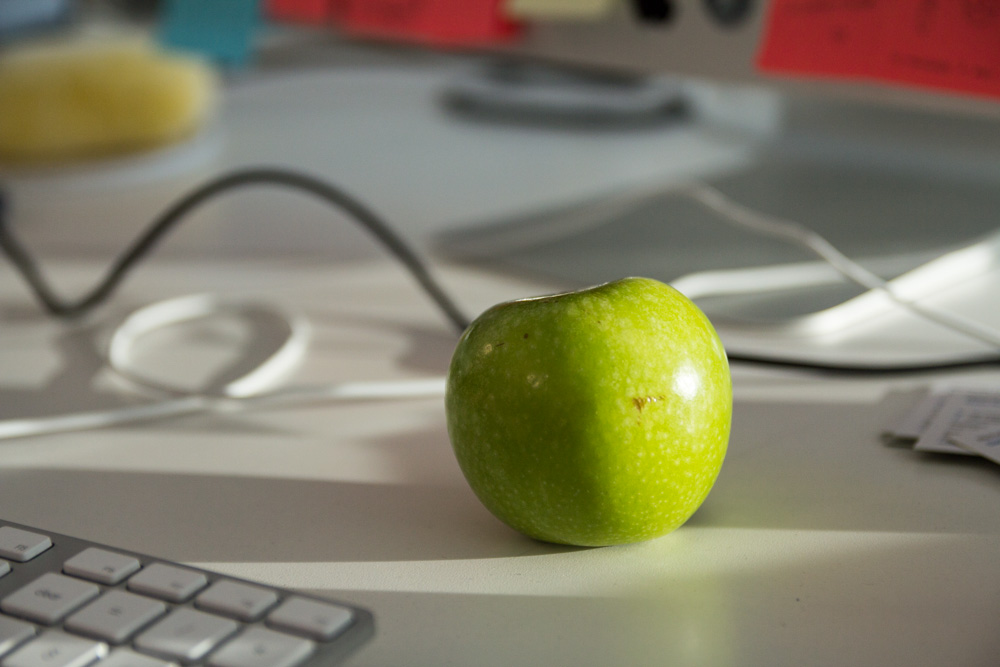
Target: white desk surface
<point x="819" y="545"/>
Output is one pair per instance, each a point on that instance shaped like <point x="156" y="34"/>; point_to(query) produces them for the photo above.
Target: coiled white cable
<point x="183" y="309"/>
<point x="260" y="387"/>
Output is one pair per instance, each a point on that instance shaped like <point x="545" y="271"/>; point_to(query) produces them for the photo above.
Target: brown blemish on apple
<point x="641" y="402"/>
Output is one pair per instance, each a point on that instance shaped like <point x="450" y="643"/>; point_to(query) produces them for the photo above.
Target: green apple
<point x="594" y="417"/>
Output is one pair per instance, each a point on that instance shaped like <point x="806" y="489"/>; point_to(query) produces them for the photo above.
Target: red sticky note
<point x="302" y="11"/>
<point x="950" y="45"/>
<point x="931" y="43"/>
<point x="439" y="22"/>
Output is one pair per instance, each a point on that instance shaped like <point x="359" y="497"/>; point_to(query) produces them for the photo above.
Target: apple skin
<point x="591" y="418"/>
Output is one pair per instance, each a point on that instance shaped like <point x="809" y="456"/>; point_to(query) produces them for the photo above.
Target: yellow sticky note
<point x="575" y="10"/>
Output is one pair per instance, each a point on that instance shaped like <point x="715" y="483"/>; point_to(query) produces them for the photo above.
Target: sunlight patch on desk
<point x="629" y="571"/>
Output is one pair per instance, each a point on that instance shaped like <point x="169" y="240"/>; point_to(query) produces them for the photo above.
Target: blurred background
<point x="552" y="138"/>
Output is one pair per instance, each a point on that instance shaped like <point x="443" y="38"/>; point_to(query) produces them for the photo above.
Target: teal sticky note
<point x="221" y="30"/>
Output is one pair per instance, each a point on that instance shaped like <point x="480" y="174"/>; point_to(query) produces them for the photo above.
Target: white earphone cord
<point x="802" y="236"/>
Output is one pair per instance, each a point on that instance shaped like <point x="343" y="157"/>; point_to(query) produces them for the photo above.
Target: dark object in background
<point x="553" y="96"/>
<point x="729" y="12"/>
<point x="654" y="11"/>
<point x="137" y="9"/>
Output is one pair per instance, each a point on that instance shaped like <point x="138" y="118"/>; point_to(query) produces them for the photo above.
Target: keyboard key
<point x="104" y="567"/>
<point x="167" y="582"/>
<point x="186" y="634"/>
<point x="115" y="616"/>
<point x="22" y="545"/>
<point x="242" y="601"/>
<point x="318" y="620"/>
<point x="260" y="647"/>
<point x="13" y="632"/>
<point x="123" y="657"/>
<point x="49" y="598"/>
<point x="72" y="602"/>
<point x="56" y="649"/>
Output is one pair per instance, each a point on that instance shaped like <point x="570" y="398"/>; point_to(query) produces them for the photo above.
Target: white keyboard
<point x="69" y="602"/>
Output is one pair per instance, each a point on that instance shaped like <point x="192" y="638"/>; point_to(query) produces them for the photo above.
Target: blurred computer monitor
<point x="891" y="164"/>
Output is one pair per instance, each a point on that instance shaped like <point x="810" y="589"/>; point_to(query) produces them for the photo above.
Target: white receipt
<point x="985" y="442"/>
<point x="959" y="420"/>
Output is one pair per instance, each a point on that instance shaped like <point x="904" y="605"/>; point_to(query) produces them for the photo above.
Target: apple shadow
<point x="212" y="518"/>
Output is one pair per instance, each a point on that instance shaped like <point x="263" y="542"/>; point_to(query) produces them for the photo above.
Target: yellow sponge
<point x="86" y="99"/>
